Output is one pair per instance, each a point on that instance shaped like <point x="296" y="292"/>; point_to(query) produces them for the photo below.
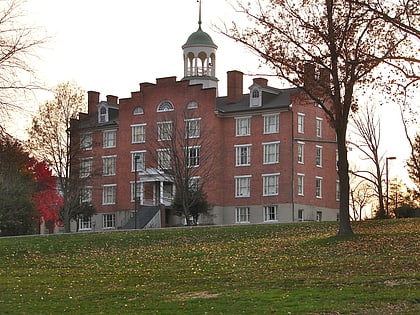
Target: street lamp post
<point x="387" y="191"/>
<point x="136" y="159"/>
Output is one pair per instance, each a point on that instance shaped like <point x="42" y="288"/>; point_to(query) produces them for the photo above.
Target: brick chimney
<point x="111" y="99"/>
<point x="93" y="101"/>
<point x="308" y="75"/>
<point x="260" y="81"/>
<point x="235" y="86"/>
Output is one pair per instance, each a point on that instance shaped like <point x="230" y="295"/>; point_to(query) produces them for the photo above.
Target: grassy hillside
<point x="252" y="269"/>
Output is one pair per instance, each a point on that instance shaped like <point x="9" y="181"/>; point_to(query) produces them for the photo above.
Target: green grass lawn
<point x="253" y="269"/>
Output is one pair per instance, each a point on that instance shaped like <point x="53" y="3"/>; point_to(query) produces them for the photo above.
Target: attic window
<point x="165" y="106"/>
<point x="255" y="99"/>
<point x="138" y="111"/>
<point x="103" y="114"/>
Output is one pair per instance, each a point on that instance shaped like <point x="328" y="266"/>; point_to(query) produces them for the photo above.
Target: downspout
<point x="293" y="164"/>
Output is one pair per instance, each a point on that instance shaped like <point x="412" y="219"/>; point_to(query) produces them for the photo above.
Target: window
<point x="318" y="156"/>
<point x="86" y="195"/>
<point x="271" y="184"/>
<point x="138" y="158"/>
<point x="300" y="215"/>
<point x="337" y="190"/>
<point x="86" y="142"/>
<point x="165" y="106"/>
<point x="109" y="193"/>
<point x="243" y="155"/>
<point x="109" y="164"/>
<point x="319" y="127"/>
<point x="300" y="182"/>
<point x="300" y="123"/>
<point x="103" y="114"/>
<point x="110" y="138"/>
<point x="242" y="215"/>
<point x="192" y="128"/>
<point x="270" y="213"/>
<point x="86" y="167"/>
<point x="138" y="111"/>
<point x="271" y="152"/>
<point x="194" y="183"/>
<point x="242" y="186"/>
<point x="108" y="221"/>
<point x="271" y="124"/>
<point x="85" y="223"/>
<point x="243" y="126"/>
<point x="318" y="187"/>
<point x="300" y="152"/>
<point x="164" y="159"/>
<point x="192" y="105"/>
<point x="165" y="130"/>
<point x="136" y="191"/>
<point x="138" y="133"/>
<point x="193" y="156"/>
<point x="318" y="216"/>
<point x="255" y="98"/>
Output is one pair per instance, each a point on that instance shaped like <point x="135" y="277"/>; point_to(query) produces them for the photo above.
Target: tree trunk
<point x="343" y="176"/>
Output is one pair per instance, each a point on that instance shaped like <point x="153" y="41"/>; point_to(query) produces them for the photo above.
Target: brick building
<point x="268" y="155"/>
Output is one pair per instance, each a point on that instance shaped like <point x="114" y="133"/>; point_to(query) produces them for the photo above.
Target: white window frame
<point x="301" y="152"/>
<point x="318" y="127"/>
<point x="270" y="157"/>
<point x="270" y="213"/>
<point x="139" y="192"/>
<point x="300" y="184"/>
<point x="271" y="184"/>
<point x="192" y="128"/>
<point x="86" y="166"/>
<point x="318" y="187"/>
<point x="141" y="162"/>
<point x="164" y="159"/>
<point x="165" y="130"/>
<point x="243" y="126"/>
<point x="165" y="106"/>
<point x="301" y="123"/>
<point x="318" y="155"/>
<point x="109" y="194"/>
<point x="110" y="138"/>
<point x="85" y="223"/>
<point x="271" y="123"/>
<point x="109" y="165"/>
<point x="337" y="190"/>
<point x="243" y="155"/>
<point x="86" y="194"/>
<point x="193" y="156"/>
<point x="103" y="116"/>
<point x="138" y="133"/>
<point x="243" y="186"/>
<point x="108" y="221"/>
<point x="86" y="141"/>
<point x="242" y="214"/>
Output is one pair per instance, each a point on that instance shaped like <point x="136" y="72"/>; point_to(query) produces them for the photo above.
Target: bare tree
<point x="369" y="131"/>
<point x="184" y="150"/>
<point x="361" y="193"/>
<point x="18" y="44"/>
<point x="344" y="40"/>
<point x="49" y="138"/>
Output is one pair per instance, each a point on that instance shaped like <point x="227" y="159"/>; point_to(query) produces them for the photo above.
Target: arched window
<point x="138" y="111"/>
<point x="255" y="99"/>
<point x="255" y="93"/>
<point x="165" y="106"/>
<point x="192" y="105"/>
<point x="103" y="114"/>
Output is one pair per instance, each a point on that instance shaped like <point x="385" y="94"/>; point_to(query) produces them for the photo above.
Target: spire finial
<point x="199" y="14"/>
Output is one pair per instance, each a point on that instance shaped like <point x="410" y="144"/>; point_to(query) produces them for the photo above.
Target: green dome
<point x="200" y="38"/>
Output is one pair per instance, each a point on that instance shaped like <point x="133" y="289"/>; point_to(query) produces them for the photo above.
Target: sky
<point x="112" y="46"/>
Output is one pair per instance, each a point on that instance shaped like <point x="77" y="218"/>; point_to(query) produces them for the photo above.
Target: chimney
<point x="308" y="75"/>
<point x="93" y="101"/>
<point x="235" y="86"/>
<point x="111" y="99"/>
<point x="260" y="81"/>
